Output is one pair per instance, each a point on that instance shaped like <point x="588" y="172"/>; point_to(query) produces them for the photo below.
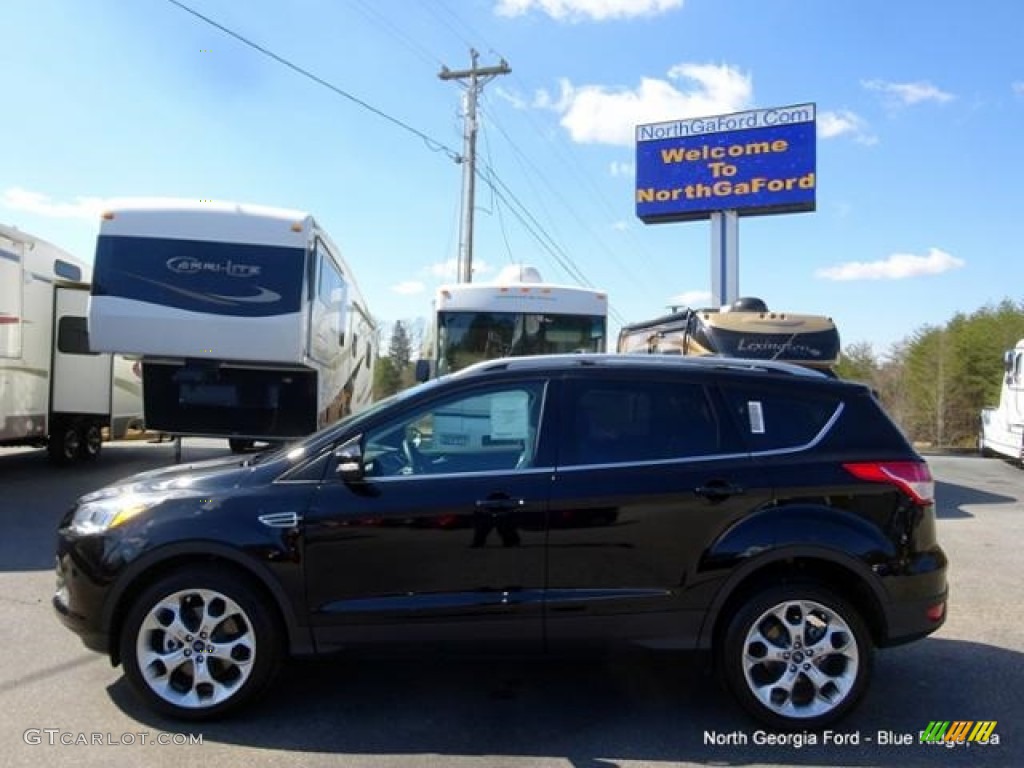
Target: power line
<point x="431" y="143"/>
<point x="410" y="42"/>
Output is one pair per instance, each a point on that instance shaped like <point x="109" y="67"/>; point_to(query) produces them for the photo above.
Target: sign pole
<point x="725" y="235"/>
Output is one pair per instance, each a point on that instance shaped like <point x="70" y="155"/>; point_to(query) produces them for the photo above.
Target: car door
<point x="445" y="530"/>
<point x="649" y="472"/>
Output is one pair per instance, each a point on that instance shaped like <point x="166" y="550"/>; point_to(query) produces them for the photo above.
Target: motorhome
<point x="249" y="323"/>
<point x="746" y="328"/>
<point x="55" y="390"/>
<point x="1002" y="426"/>
<point x="517" y="314"/>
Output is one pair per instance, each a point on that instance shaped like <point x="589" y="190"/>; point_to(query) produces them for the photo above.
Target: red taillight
<point x="936" y="612"/>
<point x="912" y="477"/>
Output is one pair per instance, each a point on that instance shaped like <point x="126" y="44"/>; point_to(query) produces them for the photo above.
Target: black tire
<point x="90" y="442"/>
<point x="983" y="449"/>
<point x="200" y="616"/>
<point x="64" y="444"/>
<point x="804" y="649"/>
<point x="238" y="445"/>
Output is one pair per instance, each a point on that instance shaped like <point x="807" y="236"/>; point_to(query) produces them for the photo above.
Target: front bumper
<point x="78" y="601"/>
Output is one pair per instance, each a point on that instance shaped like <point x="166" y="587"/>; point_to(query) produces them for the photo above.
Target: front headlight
<point x="102" y="514"/>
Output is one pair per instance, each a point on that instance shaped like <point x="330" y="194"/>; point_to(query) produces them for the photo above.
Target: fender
<point x="299" y="637"/>
<point x="810" y="531"/>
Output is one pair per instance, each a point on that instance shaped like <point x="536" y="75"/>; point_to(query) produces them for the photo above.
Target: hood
<point x="224" y="472"/>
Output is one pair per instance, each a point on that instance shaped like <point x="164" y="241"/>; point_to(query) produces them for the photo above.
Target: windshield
<point x="465" y="338"/>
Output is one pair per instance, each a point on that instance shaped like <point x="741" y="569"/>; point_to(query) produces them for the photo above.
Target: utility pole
<point x="473" y="79"/>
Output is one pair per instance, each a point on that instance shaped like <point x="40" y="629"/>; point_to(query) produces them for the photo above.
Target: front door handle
<point x="499" y="506"/>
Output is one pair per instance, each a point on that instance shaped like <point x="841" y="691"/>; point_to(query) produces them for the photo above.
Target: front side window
<point x="490" y="430"/>
<point x="614" y="422"/>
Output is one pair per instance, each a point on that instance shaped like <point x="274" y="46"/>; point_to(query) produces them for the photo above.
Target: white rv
<point x="54" y="389"/>
<point x="248" y="321"/>
<point x="518" y="314"/>
<point x="1002" y="427"/>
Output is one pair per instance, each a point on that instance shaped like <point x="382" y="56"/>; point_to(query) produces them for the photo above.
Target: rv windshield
<point x="465" y="338"/>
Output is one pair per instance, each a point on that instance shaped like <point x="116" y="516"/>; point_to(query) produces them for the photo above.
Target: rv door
<point x="81" y="378"/>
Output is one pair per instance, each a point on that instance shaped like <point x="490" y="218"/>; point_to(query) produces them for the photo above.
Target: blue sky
<point x="920" y="152"/>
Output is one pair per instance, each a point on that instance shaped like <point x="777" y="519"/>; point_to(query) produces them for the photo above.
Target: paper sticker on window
<point x="510" y="416"/>
<point x="756" y="413"/>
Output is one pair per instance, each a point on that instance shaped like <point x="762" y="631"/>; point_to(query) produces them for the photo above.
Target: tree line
<point x="935" y="382"/>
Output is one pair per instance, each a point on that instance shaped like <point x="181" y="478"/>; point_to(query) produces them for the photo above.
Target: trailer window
<point x="331" y="294"/>
<point x="67" y="270"/>
<point x="73" y="336"/>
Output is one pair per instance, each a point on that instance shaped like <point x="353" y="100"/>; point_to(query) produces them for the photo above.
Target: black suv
<point x="765" y="512"/>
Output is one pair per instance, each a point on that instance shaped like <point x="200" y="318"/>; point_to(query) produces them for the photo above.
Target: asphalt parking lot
<point x="63" y="705"/>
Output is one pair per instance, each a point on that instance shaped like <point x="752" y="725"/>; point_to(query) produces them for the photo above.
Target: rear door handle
<point x="718" y="491"/>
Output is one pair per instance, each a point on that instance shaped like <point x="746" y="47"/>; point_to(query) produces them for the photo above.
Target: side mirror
<point x="348" y="459"/>
<point x="1008" y="361"/>
<point x="423" y="370"/>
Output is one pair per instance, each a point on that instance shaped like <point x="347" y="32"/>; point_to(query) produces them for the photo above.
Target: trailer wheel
<point x="91" y="442"/>
<point x="64" y="445"/>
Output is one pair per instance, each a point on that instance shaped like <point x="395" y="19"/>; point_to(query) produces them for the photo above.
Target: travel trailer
<point x="517" y="314"/>
<point x="248" y="321"/>
<point x="746" y="328"/>
<point x="1002" y="427"/>
<point x="55" y="390"/>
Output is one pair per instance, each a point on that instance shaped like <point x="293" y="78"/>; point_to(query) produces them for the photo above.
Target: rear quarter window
<point x="776" y="419"/>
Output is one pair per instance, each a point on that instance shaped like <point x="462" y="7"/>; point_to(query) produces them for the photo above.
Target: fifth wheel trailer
<point x="248" y="322"/>
<point x="55" y="391"/>
<point x="746" y="328"/>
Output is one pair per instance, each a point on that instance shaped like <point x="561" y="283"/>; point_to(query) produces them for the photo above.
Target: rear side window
<point x="617" y="421"/>
<point x="772" y="419"/>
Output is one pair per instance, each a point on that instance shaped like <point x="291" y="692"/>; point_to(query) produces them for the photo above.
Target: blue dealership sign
<point x="751" y="162"/>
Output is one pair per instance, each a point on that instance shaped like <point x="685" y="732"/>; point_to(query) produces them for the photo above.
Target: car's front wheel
<point x="199" y="643"/>
<point x="796" y="657"/>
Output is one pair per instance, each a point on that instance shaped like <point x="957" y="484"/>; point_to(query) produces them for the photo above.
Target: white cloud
<point x="1018" y="87"/>
<point x="909" y="93"/>
<point x="594" y="10"/>
<point x="409" y="288"/>
<point x="691" y="299"/>
<point x="517" y="101"/>
<point x="622" y="169"/>
<point x="620" y="226"/>
<point x="18" y="199"/>
<point x="845" y="123"/>
<point x="448" y="271"/>
<point x="597" y="114"/>
<point x="897" y="267"/>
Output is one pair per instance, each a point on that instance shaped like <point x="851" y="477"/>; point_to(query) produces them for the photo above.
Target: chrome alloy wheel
<point x="800" y="659"/>
<point x="195" y="648"/>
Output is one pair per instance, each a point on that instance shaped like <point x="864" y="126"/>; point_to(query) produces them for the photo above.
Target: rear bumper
<point x="917" y="599"/>
<point x="912" y="620"/>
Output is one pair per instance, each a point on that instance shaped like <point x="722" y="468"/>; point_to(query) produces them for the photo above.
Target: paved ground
<point x="635" y="710"/>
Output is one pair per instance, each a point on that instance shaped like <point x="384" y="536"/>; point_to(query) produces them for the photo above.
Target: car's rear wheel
<point x="199" y="643"/>
<point x="796" y="656"/>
